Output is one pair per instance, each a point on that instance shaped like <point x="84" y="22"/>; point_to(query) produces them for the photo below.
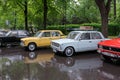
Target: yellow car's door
<point x="45" y="39"/>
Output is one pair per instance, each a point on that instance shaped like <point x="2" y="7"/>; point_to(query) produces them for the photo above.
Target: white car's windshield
<point x="37" y="34"/>
<point x="72" y="35"/>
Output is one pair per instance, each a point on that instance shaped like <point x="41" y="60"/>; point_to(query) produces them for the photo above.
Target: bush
<point x="113" y="28"/>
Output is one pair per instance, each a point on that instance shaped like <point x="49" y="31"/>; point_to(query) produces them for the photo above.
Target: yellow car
<point x="41" y="38"/>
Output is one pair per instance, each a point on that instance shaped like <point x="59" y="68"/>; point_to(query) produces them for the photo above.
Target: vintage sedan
<point x="110" y="50"/>
<point x="77" y="41"/>
<point x="41" y="39"/>
<point x="13" y="37"/>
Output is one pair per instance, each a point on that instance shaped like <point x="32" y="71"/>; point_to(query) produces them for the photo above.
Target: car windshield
<point x="72" y="35"/>
<point x="11" y="33"/>
<point x="37" y="34"/>
<point x="8" y="33"/>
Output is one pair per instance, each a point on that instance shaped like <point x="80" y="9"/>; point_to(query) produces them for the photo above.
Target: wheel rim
<point x="31" y="47"/>
<point x="69" y="51"/>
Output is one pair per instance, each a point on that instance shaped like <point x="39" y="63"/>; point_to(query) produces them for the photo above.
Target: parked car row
<point x="76" y="41"/>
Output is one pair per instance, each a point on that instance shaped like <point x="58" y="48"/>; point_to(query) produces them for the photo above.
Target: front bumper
<point x="109" y="53"/>
<point x="22" y="44"/>
<point x="56" y="49"/>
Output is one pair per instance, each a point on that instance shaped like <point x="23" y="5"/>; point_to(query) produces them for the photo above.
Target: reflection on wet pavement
<point x="44" y="65"/>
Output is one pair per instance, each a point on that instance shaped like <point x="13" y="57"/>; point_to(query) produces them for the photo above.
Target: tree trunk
<point x="114" y="9"/>
<point x="25" y="13"/>
<point x="104" y="20"/>
<point x="104" y="8"/>
<point x="45" y="13"/>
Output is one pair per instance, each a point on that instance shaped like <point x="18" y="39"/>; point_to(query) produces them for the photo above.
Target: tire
<point x="69" y="51"/>
<point x="31" y="46"/>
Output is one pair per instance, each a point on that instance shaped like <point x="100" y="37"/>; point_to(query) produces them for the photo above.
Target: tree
<point x="114" y="9"/>
<point x="45" y="13"/>
<point x="26" y="14"/>
<point x="104" y="7"/>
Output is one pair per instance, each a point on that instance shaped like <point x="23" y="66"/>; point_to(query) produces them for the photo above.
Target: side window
<point x="85" y="36"/>
<point x="46" y="34"/>
<point x="14" y="33"/>
<point x="95" y="36"/>
<point x="22" y="33"/>
<point x="55" y="34"/>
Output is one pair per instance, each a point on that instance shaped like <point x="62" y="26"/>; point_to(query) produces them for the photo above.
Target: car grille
<point x="111" y="48"/>
<point x="55" y="44"/>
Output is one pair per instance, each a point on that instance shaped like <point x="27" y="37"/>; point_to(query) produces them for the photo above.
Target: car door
<point x="11" y="37"/>
<point x="84" y="43"/>
<point x="45" y="39"/>
<point x="95" y="38"/>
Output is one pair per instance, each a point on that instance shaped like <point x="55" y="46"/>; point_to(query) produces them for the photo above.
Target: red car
<point x="110" y="50"/>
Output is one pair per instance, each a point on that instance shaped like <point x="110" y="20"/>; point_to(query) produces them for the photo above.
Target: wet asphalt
<point x="43" y="64"/>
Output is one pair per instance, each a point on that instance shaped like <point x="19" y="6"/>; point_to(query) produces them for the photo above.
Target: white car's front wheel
<point x="69" y="51"/>
<point x="31" y="47"/>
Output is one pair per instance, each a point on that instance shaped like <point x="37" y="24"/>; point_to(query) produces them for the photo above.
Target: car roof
<point x="18" y="30"/>
<point x="83" y="31"/>
<point x="49" y="30"/>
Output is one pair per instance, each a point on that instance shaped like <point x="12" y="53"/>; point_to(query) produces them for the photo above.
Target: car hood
<point x="112" y="42"/>
<point x="29" y="38"/>
<point x="62" y="41"/>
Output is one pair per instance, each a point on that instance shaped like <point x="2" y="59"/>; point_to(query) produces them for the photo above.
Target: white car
<point x="77" y="41"/>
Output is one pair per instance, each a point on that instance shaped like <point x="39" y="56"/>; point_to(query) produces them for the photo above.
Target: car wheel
<point x="31" y="46"/>
<point x="69" y="51"/>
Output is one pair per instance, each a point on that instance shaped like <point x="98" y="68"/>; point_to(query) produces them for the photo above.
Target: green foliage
<point x="63" y="28"/>
<point x="113" y="28"/>
<point x="96" y="26"/>
<point x="71" y="13"/>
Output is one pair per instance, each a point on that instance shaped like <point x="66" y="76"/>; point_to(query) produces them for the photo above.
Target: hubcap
<point x="69" y="52"/>
<point x="31" y="47"/>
